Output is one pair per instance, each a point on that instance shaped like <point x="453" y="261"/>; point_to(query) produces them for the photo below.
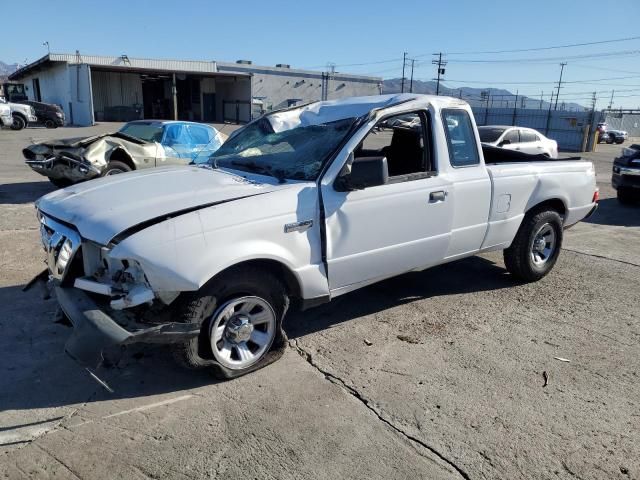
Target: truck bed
<point x="496" y="155"/>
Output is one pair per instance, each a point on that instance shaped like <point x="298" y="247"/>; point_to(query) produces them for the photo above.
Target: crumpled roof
<point x="333" y="110"/>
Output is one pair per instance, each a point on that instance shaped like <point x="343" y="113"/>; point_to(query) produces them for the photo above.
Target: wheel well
<point x="120" y="155"/>
<point x="276" y="268"/>
<point x="18" y="114"/>
<point x="551" y="204"/>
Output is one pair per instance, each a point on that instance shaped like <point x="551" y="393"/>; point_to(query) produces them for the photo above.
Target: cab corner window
<point x="401" y="139"/>
<point x="461" y="140"/>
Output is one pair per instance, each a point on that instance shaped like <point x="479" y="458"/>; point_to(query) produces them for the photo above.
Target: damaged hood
<point x="105" y="207"/>
<point x="80" y="142"/>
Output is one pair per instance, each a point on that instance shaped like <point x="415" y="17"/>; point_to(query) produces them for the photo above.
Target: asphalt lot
<point x="430" y="375"/>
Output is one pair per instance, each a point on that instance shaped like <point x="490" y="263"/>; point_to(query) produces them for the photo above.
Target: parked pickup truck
<point x="6" y="120"/>
<point x="297" y="207"/>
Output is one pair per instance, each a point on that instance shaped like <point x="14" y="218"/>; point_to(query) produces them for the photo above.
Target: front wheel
<point x="241" y="314"/>
<point x="48" y="123"/>
<point x="626" y="196"/>
<point x="18" y="123"/>
<point x="60" y="182"/>
<point x="114" y="167"/>
<point x="536" y="247"/>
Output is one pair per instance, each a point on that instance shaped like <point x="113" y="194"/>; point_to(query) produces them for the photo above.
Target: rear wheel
<point x="536" y="247"/>
<point x="114" y="167"/>
<point x="241" y="314"/>
<point x="18" y="123"/>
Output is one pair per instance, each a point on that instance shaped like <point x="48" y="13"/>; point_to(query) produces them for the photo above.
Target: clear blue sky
<point x="310" y="34"/>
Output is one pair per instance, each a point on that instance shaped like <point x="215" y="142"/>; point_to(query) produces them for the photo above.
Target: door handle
<point x="438" y="196"/>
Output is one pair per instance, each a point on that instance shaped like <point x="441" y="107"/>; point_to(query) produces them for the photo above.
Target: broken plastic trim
<point x="153" y="221"/>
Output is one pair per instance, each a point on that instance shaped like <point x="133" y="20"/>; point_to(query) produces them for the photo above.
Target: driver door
<point x="389" y="229"/>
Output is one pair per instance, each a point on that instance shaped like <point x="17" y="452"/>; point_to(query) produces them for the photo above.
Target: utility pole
<point x="515" y="109"/>
<point x="440" y="63"/>
<point x="611" y="101"/>
<point x="541" y="96"/>
<point x="413" y="61"/>
<point x="559" y="84"/>
<point x="404" y="63"/>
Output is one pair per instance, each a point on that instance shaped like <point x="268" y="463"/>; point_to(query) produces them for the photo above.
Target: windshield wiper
<point x="257" y="168"/>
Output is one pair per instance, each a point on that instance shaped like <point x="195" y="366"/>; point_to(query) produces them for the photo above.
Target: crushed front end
<point x="108" y="301"/>
<point x="65" y="160"/>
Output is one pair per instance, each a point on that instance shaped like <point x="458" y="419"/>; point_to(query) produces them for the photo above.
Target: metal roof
<point x="122" y="62"/>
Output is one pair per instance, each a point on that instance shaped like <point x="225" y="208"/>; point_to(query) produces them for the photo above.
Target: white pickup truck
<point x="301" y="206"/>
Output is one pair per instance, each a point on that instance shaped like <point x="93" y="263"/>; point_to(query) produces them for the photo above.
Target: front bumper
<point x="94" y="330"/>
<point x="625" y="177"/>
<point x="64" y="167"/>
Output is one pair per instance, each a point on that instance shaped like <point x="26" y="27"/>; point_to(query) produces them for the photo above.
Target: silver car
<point x="137" y="145"/>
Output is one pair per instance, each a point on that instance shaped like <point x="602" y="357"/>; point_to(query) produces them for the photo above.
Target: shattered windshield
<point x="148" y="132"/>
<point x="292" y="152"/>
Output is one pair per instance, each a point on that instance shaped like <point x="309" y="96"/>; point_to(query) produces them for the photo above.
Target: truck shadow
<point x="27" y="192"/>
<point x="474" y="274"/>
<point x="36" y="373"/>
<point x="612" y="212"/>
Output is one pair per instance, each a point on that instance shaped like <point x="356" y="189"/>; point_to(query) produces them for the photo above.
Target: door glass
<point x="512" y="136"/>
<point x="461" y="139"/>
<point x="401" y="140"/>
<point x="527" y="136"/>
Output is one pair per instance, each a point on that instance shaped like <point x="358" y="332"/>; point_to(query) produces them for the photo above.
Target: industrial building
<point x="102" y="88"/>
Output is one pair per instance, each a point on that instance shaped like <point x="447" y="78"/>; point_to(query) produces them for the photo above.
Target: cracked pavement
<point x="437" y="374"/>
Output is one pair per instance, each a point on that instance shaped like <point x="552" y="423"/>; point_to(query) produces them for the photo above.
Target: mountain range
<point x="6" y="70"/>
<point x="498" y="97"/>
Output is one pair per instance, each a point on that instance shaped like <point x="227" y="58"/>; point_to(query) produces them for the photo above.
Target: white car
<point x="526" y="140"/>
<point x="297" y="207"/>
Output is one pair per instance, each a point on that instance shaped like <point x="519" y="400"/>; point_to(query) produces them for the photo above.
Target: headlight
<point x="33" y="111"/>
<point x="59" y="114"/>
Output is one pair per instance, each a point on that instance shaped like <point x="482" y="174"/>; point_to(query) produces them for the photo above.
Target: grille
<point x="60" y="243"/>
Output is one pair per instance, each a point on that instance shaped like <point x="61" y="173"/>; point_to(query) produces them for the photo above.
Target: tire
<point x="18" y="123"/>
<point x="610" y="140"/>
<point x="114" y="167"/>
<point x="50" y="123"/>
<point x="61" y="182"/>
<point x="627" y="196"/>
<point x="527" y="258"/>
<point x="211" y="306"/>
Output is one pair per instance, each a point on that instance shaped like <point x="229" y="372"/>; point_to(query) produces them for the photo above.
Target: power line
<point x="536" y="49"/>
<point x="550" y="59"/>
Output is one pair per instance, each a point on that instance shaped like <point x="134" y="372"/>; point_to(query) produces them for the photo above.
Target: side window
<point x="175" y="135"/>
<point x="527" y="136"/>
<point x="401" y="139"/>
<point x="177" y="141"/>
<point x="461" y="139"/>
<point x="200" y="135"/>
<point x="513" y="136"/>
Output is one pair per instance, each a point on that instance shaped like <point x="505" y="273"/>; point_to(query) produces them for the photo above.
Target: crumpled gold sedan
<point x="137" y="145"/>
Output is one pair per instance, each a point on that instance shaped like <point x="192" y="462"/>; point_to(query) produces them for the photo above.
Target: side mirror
<point x="365" y="172"/>
<point x="504" y="142"/>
